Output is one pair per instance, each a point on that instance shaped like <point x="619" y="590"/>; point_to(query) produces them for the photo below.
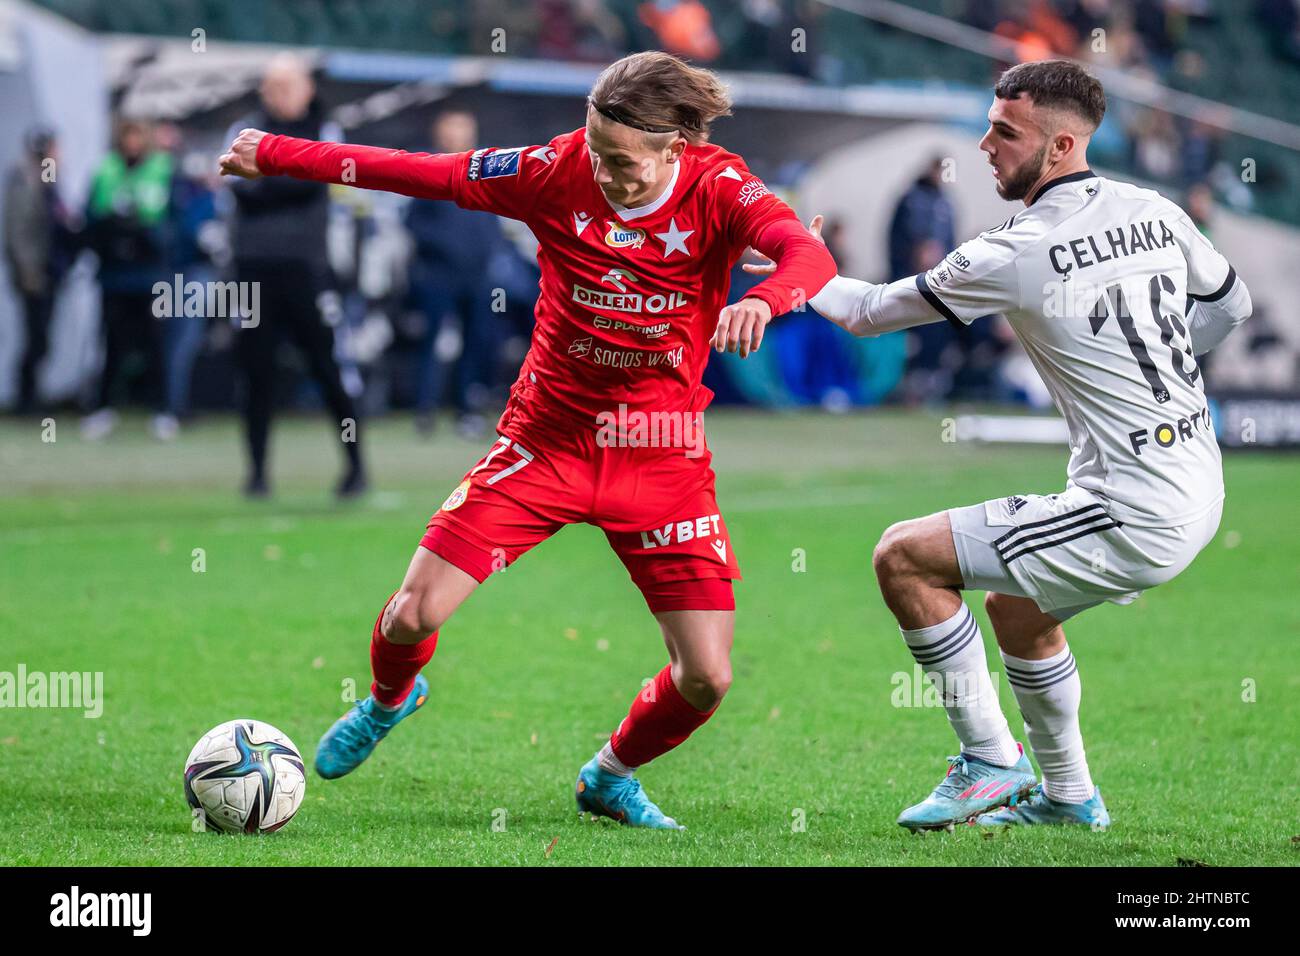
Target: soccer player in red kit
<point x="639" y="221"/>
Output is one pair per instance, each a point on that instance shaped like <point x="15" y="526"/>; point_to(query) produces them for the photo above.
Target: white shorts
<point x="1066" y="553"/>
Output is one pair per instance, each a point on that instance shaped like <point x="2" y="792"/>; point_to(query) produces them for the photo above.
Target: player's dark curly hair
<point x="1058" y="84"/>
<point x="658" y="93"/>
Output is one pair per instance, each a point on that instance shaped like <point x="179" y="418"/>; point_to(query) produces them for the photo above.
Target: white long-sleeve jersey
<point x="1112" y="291"/>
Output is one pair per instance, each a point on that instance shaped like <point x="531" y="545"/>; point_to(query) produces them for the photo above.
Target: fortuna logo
<point x="103" y="909"/>
<point x="689" y="530"/>
<point x="581" y="220"/>
<point x="622" y="237"/>
<point x="1169" y="433"/>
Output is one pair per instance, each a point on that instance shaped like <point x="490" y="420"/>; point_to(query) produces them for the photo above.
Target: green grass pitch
<point x="1191" y="696"/>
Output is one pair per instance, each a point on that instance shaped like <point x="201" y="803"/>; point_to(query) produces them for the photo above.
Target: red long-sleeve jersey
<point x="629" y="297"/>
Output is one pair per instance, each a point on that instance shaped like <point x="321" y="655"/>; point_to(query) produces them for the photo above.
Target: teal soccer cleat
<point x="605" y="794"/>
<point x="354" y="735"/>
<point x="1038" y="809"/>
<point x="969" y="788"/>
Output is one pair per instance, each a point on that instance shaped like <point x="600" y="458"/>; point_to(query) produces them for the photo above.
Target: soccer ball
<point x="244" y="776"/>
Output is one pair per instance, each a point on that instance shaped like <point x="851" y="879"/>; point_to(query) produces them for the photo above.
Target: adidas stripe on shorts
<point x="1066" y="553"/>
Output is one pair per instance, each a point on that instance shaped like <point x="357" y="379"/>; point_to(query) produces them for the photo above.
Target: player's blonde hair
<point x="659" y="94"/>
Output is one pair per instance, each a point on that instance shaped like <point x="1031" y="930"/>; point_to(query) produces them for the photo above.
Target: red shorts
<point x="656" y="506"/>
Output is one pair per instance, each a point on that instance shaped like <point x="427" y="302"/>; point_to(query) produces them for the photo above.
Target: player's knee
<point x="718" y="681"/>
<point x="995" y="605"/>
<point x="415" y="615"/>
<point x="892" y="558"/>
<point x="706" y="686"/>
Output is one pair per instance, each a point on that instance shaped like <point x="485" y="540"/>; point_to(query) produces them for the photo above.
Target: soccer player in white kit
<point x="1112" y="291"/>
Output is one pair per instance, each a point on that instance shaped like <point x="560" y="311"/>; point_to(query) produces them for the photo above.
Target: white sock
<point x="611" y="764"/>
<point x="952" y="656"/>
<point x="1048" y="692"/>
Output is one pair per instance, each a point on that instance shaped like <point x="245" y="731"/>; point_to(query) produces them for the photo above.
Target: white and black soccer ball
<point x="245" y="777"/>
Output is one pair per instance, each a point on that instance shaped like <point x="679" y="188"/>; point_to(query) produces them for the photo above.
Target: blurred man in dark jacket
<point x="278" y="241"/>
<point x="126" y="226"/>
<point x="944" y="362"/>
<point x="920" y="234"/>
<point x="449" y="275"/>
<point x="38" y="245"/>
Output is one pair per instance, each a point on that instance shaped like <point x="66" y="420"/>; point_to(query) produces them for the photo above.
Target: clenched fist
<point x="741" y="326"/>
<point x="241" y="158"/>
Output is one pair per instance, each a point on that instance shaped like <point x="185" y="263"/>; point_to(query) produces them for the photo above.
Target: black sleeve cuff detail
<point x="924" y="288"/>
<point x="1221" y="291"/>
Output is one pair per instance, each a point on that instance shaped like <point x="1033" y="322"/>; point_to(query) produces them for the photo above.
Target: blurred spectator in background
<point x="38" y="246"/>
<point x="1035" y="27"/>
<point x="278" y="241"/>
<point x="453" y="248"/>
<point x="922" y="229"/>
<point x="1199" y="206"/>
<point x="1199" y="151"/>
<point x="583" y="30"/>
<point x="197" y="246"/>
<point x="126" y="226"/>
<point x="1156" y="147"/>
<point x="921" y="232"/>
<point x="683" y="27"/>
<point x="816" y="359"/>
<point x="1281" y="19"/>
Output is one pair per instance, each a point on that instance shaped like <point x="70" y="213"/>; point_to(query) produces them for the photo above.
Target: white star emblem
<point x="674" y="239"/>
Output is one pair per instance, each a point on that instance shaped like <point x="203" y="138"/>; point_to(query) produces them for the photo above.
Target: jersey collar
<point x="637" y="212"/>
<point x="1061" y="181"/>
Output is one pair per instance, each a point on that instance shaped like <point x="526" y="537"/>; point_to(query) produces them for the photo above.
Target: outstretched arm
<point x="864" y="308"/>
<point x="255" y="153"/>
<point x="801" y="265"/>
<point x="868" y="309"/>
<point x="506" y="182"/>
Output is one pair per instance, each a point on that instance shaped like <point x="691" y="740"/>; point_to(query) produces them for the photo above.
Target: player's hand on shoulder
<point x="241" y="158"/>
<point x="740" y="326"/>
<point x="768" y="267"/>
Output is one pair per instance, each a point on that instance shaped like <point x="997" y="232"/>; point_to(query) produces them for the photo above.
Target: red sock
<point x="659" y="720"/>
<point x="395" y="665"/>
